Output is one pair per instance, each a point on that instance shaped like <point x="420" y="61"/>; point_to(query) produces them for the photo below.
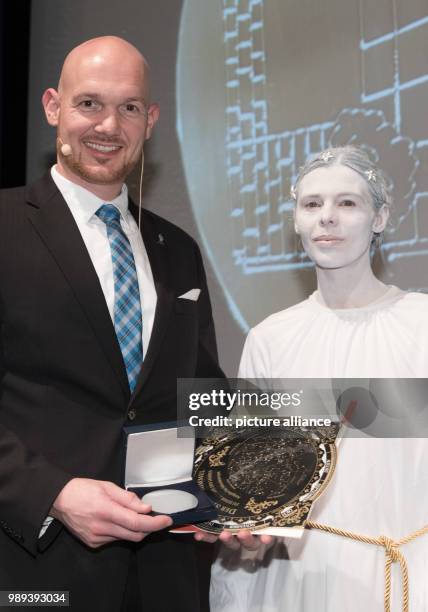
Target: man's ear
<point x="152" y="117"/>
<point x="50" y="101"/>
<point x="381" y="219"/>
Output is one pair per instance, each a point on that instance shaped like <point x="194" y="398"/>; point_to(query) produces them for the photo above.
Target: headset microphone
<point x="66" y="150"/>
<point x="140" y="198"/>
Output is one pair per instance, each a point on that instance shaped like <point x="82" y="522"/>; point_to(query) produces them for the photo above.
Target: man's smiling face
<point x="101" y="110"/>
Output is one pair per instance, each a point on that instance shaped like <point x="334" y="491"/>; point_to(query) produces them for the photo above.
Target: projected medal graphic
<point x="262" y="85"/>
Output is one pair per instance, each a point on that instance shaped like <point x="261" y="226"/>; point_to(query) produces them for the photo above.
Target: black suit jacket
<point x="65" y="396"/>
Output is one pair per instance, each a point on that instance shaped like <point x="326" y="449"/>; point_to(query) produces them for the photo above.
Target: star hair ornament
<point x="293" y="193"/>
<point x="326" y="156"/>
<point x="371" y="175"/>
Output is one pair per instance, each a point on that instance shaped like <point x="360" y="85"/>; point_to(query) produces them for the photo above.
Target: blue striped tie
<point x="127" y="304"/>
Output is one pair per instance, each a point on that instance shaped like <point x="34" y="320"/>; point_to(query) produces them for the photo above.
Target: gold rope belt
<point x="392" y="555"/>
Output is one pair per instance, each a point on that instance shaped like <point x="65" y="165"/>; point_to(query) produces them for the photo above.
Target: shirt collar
<point x="84" y="203"/>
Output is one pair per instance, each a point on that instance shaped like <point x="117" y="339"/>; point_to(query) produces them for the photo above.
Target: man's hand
<point x="243" y="538"/>
<point x="98" y="512"/>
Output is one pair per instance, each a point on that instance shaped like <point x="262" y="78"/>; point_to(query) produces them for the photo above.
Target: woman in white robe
<point x="352" y="326"/>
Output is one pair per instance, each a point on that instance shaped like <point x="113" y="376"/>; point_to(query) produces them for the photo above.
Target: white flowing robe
<point x="380" y="486"/>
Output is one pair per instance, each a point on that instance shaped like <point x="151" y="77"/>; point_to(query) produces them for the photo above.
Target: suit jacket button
<point x="132" y="414"/>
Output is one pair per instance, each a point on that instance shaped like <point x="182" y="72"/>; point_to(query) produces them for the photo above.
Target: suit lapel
<point x="55" y="224"/>
<point x="157" y="251"/>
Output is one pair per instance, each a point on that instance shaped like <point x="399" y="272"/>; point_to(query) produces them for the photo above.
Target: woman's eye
<point x="311" y="204"/>
<point x="347" y="203"/>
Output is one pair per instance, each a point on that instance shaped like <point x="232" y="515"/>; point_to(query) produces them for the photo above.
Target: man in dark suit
<point x="76" y="366"/>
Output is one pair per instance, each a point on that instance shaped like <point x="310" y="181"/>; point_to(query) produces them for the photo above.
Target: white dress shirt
<point x="83" y="205"/>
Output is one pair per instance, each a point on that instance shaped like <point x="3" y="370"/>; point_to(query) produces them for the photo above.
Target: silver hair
<point x="356" y="158"/>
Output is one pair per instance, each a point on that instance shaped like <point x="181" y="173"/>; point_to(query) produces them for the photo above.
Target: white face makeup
<point x="168" y="501"/>
<point x="335" y="217"/>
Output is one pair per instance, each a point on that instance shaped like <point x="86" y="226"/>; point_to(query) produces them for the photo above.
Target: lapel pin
<point x="161" y="240"/>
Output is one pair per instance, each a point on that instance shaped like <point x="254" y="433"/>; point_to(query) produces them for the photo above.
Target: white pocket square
<point x="193" y="295"/>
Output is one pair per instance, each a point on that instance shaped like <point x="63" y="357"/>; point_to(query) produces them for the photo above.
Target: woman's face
<point x="335" y="217"/>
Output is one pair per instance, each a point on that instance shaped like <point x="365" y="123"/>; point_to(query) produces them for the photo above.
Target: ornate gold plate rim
<point x="274" y="511"/>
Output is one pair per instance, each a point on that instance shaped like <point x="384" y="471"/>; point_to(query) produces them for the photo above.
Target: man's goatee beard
<point x="92" y="176"/>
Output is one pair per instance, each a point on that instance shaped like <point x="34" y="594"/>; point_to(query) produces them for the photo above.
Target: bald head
<point x="102" y="113"/>
<point x="105" y="53"/>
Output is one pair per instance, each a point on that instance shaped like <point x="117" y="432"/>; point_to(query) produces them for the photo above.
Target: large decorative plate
<point x="265" y="477"/>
